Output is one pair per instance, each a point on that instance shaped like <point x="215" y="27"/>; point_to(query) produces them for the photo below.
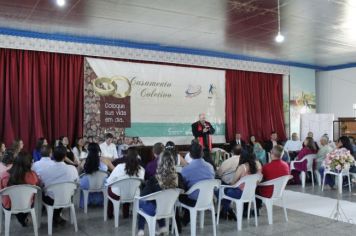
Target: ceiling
<point x="317" y="32"/>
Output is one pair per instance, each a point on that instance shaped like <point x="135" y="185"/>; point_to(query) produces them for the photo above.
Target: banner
<point x="156" y="103"/>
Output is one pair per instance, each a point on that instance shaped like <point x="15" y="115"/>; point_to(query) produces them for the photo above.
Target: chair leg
<point x="322" y="186"/>
<point x="134" y="217"/>
<point x="74" y="217"/>
<point x="116" y="213"/>
<point x="1" y="213"/>
<point x="151" y="222"/>
<point x="302" y="174"/>
<point x="312" y="176"/>
<point x="239" y="211"/>
<point x="34" y="221"/>
<point x="285" y="209"/>
<point x="248" y="210"/>
<point x="85" y="197"/>
<point x="269" y="207"/>
<point x="202" y="216"/>
<point x="349" y="181"/>
<point x="174" y="222"/>
<point x="193" y="221"/>
<point x="255" y="208"/>
<point x="7" y="222"/>
<point x="49" y="219"/>
<point x="219" y="205"/>
<point x="105" y="206"/>
<point x="213" y="219"/>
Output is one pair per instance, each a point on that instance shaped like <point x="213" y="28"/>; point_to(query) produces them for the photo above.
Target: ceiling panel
<point x="320" y="32"/>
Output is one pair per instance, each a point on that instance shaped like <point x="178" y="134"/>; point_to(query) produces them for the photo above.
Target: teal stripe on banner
<point x="166" y="129"/>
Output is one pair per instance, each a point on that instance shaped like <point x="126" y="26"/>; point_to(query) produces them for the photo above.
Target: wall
<point x="336" y="92"/>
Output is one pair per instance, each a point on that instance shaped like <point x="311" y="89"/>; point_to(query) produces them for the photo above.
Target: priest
<point x="202" y="130"/>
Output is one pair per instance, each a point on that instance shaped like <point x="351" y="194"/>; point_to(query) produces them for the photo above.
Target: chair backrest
<point x="310" y="160"/>
<point x="128" y="188"/>
<point x="20" y="195"/>
<point x="279" y="185"/>
<point x="62" y="193"/>
<point x="249" y="190"/>
<point x="96" y="180"/>
<point x="219" y="155"/>
<point x="165" y="202"/>
<point x="206" y="192"/>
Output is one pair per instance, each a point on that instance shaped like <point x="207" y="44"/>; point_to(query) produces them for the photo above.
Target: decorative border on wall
<point x="86" y="49"/>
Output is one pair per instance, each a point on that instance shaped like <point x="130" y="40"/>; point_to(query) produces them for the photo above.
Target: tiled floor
<point x="299" y="223"/>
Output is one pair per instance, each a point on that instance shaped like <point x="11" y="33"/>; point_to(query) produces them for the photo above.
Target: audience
<point x="20" y="173"/>
<point x="309" y="148"/>
<point x="237" y="141"/>
<point x="323" y="151"/>
<point x="128" y="169"/>
<point x="187" y="157"/>
<point x="272" y="142"/>
<point x="196" y="171"/>
<point x="178" y="159"/>
<point x="275" y="169"/>
<point x="228" y="168"/>
<point x="165" y="178"/>
<point x="17" y="146"/>
<point x="58" y="172"/>
<point x="151" y="166"/>
<point x="45" y="162"/>
<point x="248" y="165"/>
<point x="258" y="150"/>
<point x="79" y="151"/>
<point x="2" y="149"/>
<point x="293" y="146"/>
<point x="7" y="161"/>
<point x="36" y="154"/>
<point x="108" y="148"/>
<point x="311" y="135"/>
<point x="70" y="159"/>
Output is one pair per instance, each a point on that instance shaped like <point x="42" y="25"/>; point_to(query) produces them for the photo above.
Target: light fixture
<point x="279" y="38"/>
<point x="61" y="3"/>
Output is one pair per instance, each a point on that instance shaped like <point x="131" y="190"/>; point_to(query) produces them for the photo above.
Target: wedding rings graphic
<point x="117" y="86"/>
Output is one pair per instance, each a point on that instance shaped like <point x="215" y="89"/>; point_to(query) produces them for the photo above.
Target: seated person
<point x="36" y="154"/>
<point x="59" y="172"/>
<point x="237" y="141"/>
<point x="130" y="168"/>
<point x="7" y="161"/>
<point x="311" y="135"/>
<point x="323" y="151"/>
<point x="248" y="165"/>
<point x="178" y="159"/>
<point x="293" y="146"/>
<point x="151" y="166"/>
<point x="309" y="148"/>
<point x="165" y="178"/>
<point x="20" y="173"/>
<point x="196" y="171"/>
<point x="228" y="168"/>
<point x="275" y="169"/>
<point x="187" y="157"/>
<point x="108" y="148"/>
<point x="44" y="162"/>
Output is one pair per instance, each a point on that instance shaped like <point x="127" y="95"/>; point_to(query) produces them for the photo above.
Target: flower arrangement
<point x="339" y="159"/>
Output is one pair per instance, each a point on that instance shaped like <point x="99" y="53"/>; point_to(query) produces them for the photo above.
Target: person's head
<point x="59" y="153"/>
<point x="274" y="136"/>
<point x="109" y="138"/>
<point x="2" y="147"/>
<point x="90" y="139"/>
<point x="277" y="152"/>
<point x="79" y="142"/>
<point x="202" y="118"/>
<point x="250" y="159"/>
<point x="237" y="136"/>
<point x="92" y="161"/>
<point x="132" y="166"/>
<point x="237" y="150"/>
<point x="166" y="172"/>
<point x="195" y="151"/>
<point x="9" y="157"/>
<point x="46" y="151"/>
<point x="17" y="145"/>
<point x="171" y="147"/>
<point x="310" y="134"/>
<point x="64" y="140"/>
<point x="309" y="143"/>
<point x="157" y="149"/>
<point x="135" y="139"/>
<point x="324" y="140"/>
<point x="294" y="136"/>
<point x="252" y="139"/>
<point x="344" y="142"/>
<point x="40" y="142"/>
<point x="21" y="165"/>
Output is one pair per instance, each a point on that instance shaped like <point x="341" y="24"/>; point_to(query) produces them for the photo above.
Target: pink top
<point x="4" y="168"/>
<point x="303" y="165"/>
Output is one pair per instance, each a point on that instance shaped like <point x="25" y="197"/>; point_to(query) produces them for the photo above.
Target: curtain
<point x="254" y="105"/>
<point x="41" y="95"/>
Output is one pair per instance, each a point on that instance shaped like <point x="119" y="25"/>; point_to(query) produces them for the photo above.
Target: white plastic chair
<point x="63" y="194"/>
<point x="204" y="202"/>
<point x="279" y="185"/>
<point x="96" y="185"/>
<point x="248" y="196"/>
<point x="310" y="159"/>
<point x="318" y="177"/>
<point x="21" y="197"/>
<point x="129" y="189"/>
<point x="165" y="208"/>
<point x="344" y="172"/>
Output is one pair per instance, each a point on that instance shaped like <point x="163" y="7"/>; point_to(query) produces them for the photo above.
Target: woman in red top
<point x="20" y="173"/>
<point x="309" y="148"/>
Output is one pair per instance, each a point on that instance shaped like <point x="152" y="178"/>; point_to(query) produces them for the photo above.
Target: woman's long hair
<point x="39" y="144"/>
<point x="249" y="158"/>
<point x="166" y="172"/>
<point x="22" y="164"/>
<point x="132" y="164"/>
<point x="9" y="157"/>
<point x="171" y="147"/>
<point x="310" y="143"/>
<point x="92" y="161"/>
<point x="346" y="144"/>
